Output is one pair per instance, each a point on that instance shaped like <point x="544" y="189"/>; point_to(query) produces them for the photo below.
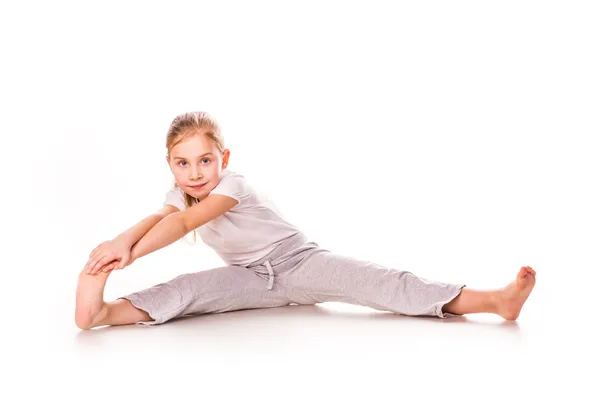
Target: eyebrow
<point x="183" y="158"/>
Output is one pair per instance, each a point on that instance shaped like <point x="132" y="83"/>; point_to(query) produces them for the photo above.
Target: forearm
<point x="165" y="232"/>
<point x="136" y="232"/>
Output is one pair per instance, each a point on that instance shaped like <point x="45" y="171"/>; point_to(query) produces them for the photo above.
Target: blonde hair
<point x="187" y="125"/>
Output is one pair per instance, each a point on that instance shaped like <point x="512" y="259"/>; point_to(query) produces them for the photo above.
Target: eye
<point x="179" y="163"/>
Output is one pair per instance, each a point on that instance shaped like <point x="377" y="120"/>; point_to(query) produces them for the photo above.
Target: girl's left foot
<point x="510" y="300"/>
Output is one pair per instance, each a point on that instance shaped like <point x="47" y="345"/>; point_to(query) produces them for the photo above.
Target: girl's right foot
<point x="90" y="307"/>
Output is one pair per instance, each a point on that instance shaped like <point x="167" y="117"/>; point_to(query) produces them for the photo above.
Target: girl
<point x="269" y="262"/>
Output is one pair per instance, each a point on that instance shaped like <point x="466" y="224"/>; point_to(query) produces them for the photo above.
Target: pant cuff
<point x="137" y="304"/>
<point x="439" y="306"/>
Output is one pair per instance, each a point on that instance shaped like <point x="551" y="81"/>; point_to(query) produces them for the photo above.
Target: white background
<point x="457" y="140"/>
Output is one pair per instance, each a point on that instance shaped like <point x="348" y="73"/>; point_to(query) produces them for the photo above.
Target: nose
<point x="195" y="173"/>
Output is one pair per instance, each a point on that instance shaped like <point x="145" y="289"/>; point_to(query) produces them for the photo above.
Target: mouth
<point x="198" y="186"/>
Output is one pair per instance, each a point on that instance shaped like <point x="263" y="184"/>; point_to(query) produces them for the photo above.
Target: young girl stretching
<point x="269" y="262"/>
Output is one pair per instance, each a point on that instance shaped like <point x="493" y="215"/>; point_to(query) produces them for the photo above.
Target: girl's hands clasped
<point x="112" y="254"/>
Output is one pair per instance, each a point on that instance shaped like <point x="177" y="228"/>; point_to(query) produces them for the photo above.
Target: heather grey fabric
<point x="297" y="271"/>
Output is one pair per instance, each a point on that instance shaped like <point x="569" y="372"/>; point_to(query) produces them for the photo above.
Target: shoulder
<point x="175" y="197"/>
<point x="230" y="175"/>
<point x="233" y="184"/>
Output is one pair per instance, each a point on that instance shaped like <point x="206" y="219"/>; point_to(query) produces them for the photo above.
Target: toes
<point x="522" y="272"/>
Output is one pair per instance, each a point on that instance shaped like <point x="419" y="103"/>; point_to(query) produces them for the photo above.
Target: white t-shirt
<point x="249" y="230"/>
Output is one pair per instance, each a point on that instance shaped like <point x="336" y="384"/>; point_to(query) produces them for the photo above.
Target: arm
<point x="177" y="225"/>
<point x="133" y="234"/>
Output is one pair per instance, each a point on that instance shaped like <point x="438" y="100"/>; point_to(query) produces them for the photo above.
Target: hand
<point x="107" y="253"/>
<point x="118" y="264"/>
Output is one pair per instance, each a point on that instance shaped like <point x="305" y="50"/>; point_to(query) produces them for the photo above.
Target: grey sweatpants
<point x="297" y="271"/>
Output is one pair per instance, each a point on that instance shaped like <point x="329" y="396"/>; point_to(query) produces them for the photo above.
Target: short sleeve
<point x="232" y="185"/>
<point x="175" y="198"/>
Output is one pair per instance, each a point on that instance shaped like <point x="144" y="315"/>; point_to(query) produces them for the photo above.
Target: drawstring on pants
<point x="271" y="274"/>
<point x="286" y="249"/>
<point x="267" y="264"/>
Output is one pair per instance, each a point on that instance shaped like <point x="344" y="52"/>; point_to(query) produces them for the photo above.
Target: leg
<point x="91" y="310"/>
<point x="506" y="302"/>
<point x="214" y="290"/>
<point x="326" y="276"/>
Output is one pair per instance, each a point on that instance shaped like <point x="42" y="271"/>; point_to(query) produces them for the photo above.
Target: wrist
<point x="134" y="254"/>
<point x="124" y="240"/>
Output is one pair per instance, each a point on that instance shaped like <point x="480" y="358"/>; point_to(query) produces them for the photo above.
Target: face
<point x="197" y="160"/>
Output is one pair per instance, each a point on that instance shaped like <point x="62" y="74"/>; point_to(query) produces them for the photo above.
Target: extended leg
<point x="214" y="290"/>
<point x="326" y="276"/>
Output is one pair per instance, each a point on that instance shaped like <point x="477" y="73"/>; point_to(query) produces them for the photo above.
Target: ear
<point x="225" y="158"/>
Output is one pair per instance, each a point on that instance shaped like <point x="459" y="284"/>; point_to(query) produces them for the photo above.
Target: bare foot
<point x="513" y="296"/>
<point x="89" y="304"/>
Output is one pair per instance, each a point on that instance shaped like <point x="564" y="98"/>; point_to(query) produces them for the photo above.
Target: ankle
<point x="100" y="317"/>
<point x="496" y="299"/>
